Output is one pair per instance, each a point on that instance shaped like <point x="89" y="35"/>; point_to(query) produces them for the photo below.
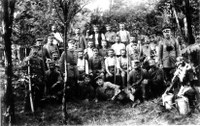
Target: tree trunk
<point x="190" y="37"/>
<point x="64" y="110"/>
<point x="8" y="10"/>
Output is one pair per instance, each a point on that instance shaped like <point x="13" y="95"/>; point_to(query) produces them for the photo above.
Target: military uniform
<point x="71" y="62"/>
<point x="54" y="81"/>
<point x="37" y="74"/>
<point x="103" y="52"/>
<point x="138" y="79"/>
<point x="106" y="91"/>
<point x="156" y="81"/>
<point x="168" y="51"/>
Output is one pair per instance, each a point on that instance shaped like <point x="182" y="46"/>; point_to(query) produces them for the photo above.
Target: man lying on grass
<point x="106" y="90"/>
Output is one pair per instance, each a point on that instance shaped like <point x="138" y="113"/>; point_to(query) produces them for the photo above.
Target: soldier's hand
<point x="101" y="74"/>
<point x="27" y="58"/>
<point x="161" y="66"/>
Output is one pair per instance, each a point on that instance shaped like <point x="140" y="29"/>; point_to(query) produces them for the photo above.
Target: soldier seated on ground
<point x="85" y="90"/>
<point x="111" y="66"/>
<point x="105" y="90"/>
<point x="183" y="82"/>
<point x="54" y="81"/>
<point x="156" y="79"/>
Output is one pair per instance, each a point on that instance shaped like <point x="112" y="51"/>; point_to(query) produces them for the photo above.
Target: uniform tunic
<point x="166" y="57"/>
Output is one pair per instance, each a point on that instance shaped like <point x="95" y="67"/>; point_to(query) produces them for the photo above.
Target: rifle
<point x="127" y="67"/>
<point x="30" y="88"/>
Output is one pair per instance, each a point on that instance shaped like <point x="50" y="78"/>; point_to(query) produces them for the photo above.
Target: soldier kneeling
<point x="54" y="83"/>
<point x="138" y="81"/>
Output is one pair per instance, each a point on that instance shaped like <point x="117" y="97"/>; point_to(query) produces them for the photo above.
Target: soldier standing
<point x="123" y="34"/>
<point x="168" y="51"/>
<point x="133" y="50"/>
<point x="110" y="36"/>
<point x="104" y="50"/>
<point x="50" y="47"/>
<point x="70" y="67"/>
<point x="88" y="52"/>
<point x="80" y="39"/>
<point x="36" y="76"/>
<point x="118" y="46"/>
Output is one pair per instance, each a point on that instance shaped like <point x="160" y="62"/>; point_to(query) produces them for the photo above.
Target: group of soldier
<point x="110" y="66"/>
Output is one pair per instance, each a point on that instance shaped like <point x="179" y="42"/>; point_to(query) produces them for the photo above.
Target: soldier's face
<point x="121" y="26"/>
<point x="50" y="40"/>
<point x="117" y="39"/>
<point x="77" y="31"/>
<point x="51" y="66"/>
<point x="53" y="28"/>
<point x="167" y="33"/>
<point x="71" y="46"/>
<point x="134" y="46"/>
<point x="96" y="52"/>
<point x="80" y="54"/>
<point x="100" y="82"/>
<point x="90" y="44"/>
<point x="132" y="39"/>
<point x="96" y="29"/>
<point x="123" y="52"/>
<point x="136" y="65"/>
<point x="104" y="43"/>
<point x="110" y="53"/>
<point x="108" y="28"/>
<point x="35" y="51"/>
<point x="55" y="56"/>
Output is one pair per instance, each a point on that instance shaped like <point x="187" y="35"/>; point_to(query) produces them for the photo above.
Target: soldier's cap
<point x="39" y="39"/>
<point x="72" y="41"/>
<point x="166" y="26"/>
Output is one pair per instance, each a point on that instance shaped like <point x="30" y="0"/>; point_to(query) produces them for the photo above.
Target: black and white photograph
<point x="99" y="62"/>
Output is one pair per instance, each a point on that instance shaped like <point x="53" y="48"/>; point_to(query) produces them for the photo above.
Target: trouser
<point x="37" y="93"/>
<point x="124" y="79"/>
<point x="102" y="94"/>
<point x="85" y="91"/>
<point x="145" y="87"/>
<point x="109" y="78"/>
<point x="168" y="75"/>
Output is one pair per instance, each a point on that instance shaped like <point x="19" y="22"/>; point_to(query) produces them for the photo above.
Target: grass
<point x="101" y="113"/>
<point x="107" y="113"/>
